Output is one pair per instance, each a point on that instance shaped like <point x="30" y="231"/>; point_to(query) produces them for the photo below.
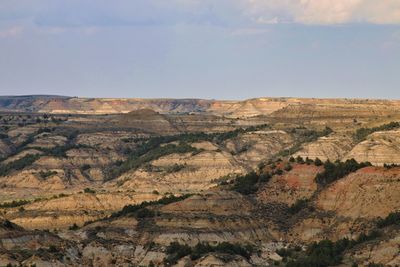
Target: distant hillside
<point x="276" y="107"/>
<point x="30" y="103"/>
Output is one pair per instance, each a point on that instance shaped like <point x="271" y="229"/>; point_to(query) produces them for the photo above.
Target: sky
<point x="212" y="49"/>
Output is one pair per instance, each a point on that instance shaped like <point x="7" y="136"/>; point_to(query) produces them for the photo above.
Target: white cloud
<point x="380" y="11"/>
<point x="323" y="12"/>
<point x="236" y="13"/>
<point x="11" y="32"/>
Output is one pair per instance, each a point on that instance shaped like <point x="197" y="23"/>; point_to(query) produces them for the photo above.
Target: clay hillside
<point x="165" y="182"/>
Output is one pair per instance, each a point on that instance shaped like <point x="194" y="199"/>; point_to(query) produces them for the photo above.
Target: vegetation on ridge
<point x="299" y="205"/>
<point x="137" y="158"/>
<point x="247" y="184"/>
<point x="177" y="251"/>
<point x="152" y="149"/>
<point x="131" y="209"/>
<point x="323" y="253"/>
<point x="19" y="164"/>
<point x="362" y="133"/>
<point x="336" y="170"/>
<point x="392" y="219"/>
<point x="303" y="135"/>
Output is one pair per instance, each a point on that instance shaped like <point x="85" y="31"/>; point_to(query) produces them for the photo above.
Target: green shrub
<point x="284" y="252"/>
<point x="46" y="174"/>
<point x="263" y="178"/>
<point x="299" y="160"/>
<point x="44" y="130"/>
<point x="318" y="162"/>
<point x="175" y="168"/>
<point x="74" y="227"/>
<point x="328" y="253"/>
<point x="85" y="167"/>
<point x="61" y="151"/>
<point x="392" y="219"/>
<point x="248" y="184"/>
<point x="18" y="164"/>
<point x="288" y="167"/>
<point x="366" y="237"/>
<point x="131" y="209"/>
<point x="14" y="203"/>
<point x="233" y="249"/>
<point x="390" y="166"/>
<point x="53" y="249"/>
<point x="7" y="224"/>
<point x="372" y="264"/>
<point x="337" y="170"/>
<point x="309" y="161"/>
<point x="299" y="205"/>
<point x="144" y="213"/>
<point x="89" y="191"/>
<point x="177" y="251"/>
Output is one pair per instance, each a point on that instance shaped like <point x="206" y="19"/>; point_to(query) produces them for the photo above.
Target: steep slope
<point x="333" y="147"/>
<point x="379" y="148"/>
<point x="298" y="183"/>
<point x="181" y="172"/>
<point x="32" y="247"/>
<point x="385" y="252"/>
<point x="255" y="147"/>
<point x="197" y="219"/>
<point x="368" y="193"/>
<point x="78" y="208"/>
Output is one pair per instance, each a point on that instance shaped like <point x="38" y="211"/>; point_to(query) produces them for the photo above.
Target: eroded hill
<point x="199" y="183"/>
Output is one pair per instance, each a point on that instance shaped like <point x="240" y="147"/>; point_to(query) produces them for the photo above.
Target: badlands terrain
<point x="166" y="182"/>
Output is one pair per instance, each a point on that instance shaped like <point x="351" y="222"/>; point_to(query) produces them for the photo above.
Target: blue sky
<point x="223" y="49"/>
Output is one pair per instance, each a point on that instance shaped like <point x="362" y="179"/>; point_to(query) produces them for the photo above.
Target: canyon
<point x="191" y="182"/>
